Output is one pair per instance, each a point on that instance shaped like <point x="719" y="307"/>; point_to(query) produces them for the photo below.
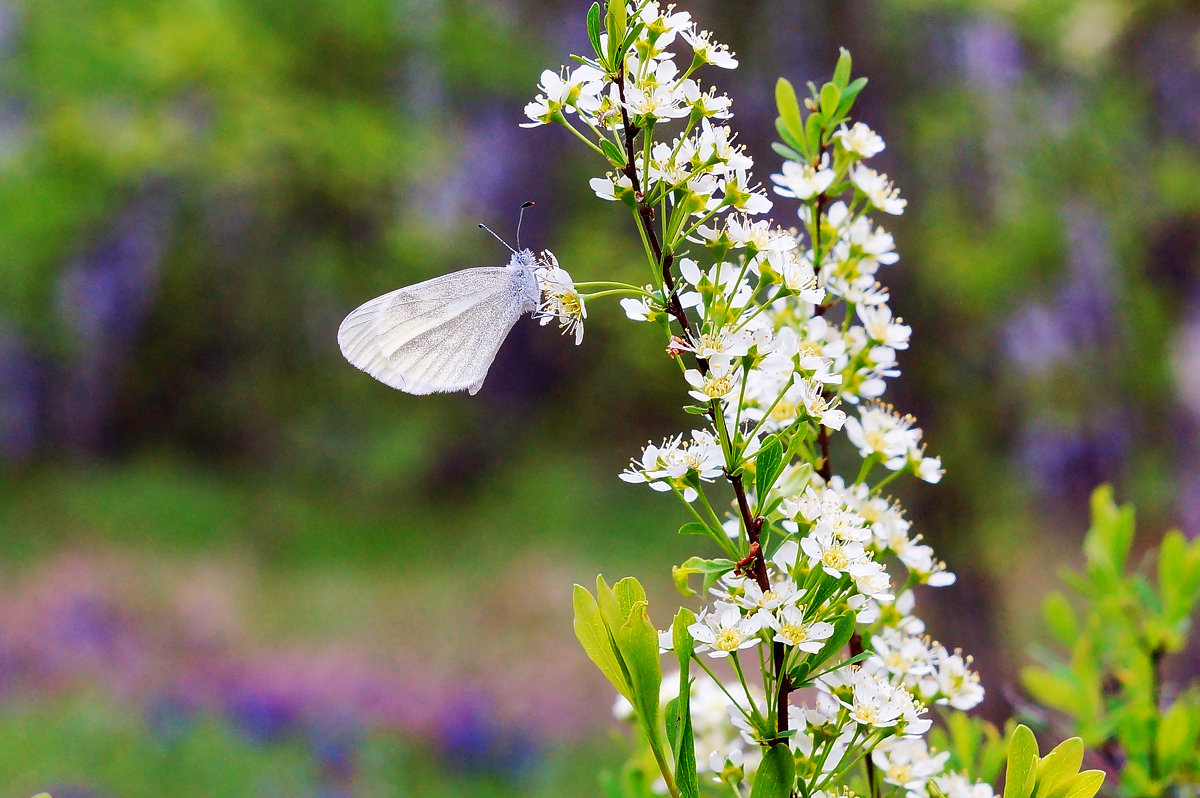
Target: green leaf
<point x="712" y="570"/>
<point x="812" y="132"/>
<point x="841" y="73"/>
<point x="1022" y="763"/>
<point x="629" y="593"/>
<point x="683" y="744"/>
<point x="767" y="466"/>
<point x="616" y="20"/>
<point x="849" y="94"/>
<point x="597" y="642"/>
<point x="610" y="610"/>
<point x="1177" y="735"/>
<point x="1053" y="690"/>
<point x="1060" y="618"/>
<point x="593" y="28"/>
<point x="695" y="528"/>
<point x="1081" y="785"/>
<point x="831" y="95"/>
<point x="681" y="640"/>
<point x="786" y="152"/>
<point x="1059" y="765"/>
<point x="637" y="642"/>
<point x="776" y="774"/>
<point x="789" y="125"/>
<point x="614" y="155"/>
<point x="1108" y="542"/>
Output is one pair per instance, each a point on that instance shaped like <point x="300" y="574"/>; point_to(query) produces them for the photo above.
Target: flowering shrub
<point x="783" y="337"/>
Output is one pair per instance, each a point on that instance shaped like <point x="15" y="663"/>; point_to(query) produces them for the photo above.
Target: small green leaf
<point x="776" y="774"/>
<point x="1059" y="765"/>
<point x="629" y="593"/>
<point x="1081" y="785"/>
<point x="617" y="22"/>
<point x="767" y="466"/>
<point x="831" y="95"/>
<point x="596" y="640"/>
<point x="694" y="528"/>
<point x="637" y="642"/>
<point x="850" y="93"/>
<point x="684" y="744"/>
<point x="792" y="141"/>
<point x="841" y="73"/>
<point x="812" y="132"/>
<point x="1177" y="735"/>
<point x="786" y="152"/>
<point x="614" y="155"/>
<point x="593" y="28"/>
<point x="1022" y="763"/>
<point x="789" y="124"/>
<point x="681" y="640"/>
<point x="1060" y="618"/>
<point x="712" y="570"/>
<point x="610" y="610"/>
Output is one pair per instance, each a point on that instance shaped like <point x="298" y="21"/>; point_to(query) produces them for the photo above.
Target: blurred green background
<point x="235" y="566"/>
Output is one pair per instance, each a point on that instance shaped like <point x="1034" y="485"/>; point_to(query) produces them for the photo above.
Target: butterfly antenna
<point x="520" y="217"/>
<point x="498" y="238"/>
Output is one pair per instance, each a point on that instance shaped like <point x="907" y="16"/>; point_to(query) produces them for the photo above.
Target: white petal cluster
<point x="559" y="300"/>
<point x="668" y="465"/>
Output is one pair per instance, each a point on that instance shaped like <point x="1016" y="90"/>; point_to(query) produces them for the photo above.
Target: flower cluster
<point x="780" y="331"/>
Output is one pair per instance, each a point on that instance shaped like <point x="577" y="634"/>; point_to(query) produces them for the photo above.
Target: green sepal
<point x="1022" y="763"/>
<point x="776" y="774"/>
<point x="597" y="642"/>
<point x="712" y="570"/>
<point x="841" y="72"/>
<point x="593" y="28"/>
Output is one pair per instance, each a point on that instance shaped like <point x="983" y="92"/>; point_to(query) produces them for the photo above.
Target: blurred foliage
<point x="1114" y="688"/>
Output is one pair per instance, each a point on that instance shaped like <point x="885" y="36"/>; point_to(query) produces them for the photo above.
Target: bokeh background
<point x="232" y="565"/>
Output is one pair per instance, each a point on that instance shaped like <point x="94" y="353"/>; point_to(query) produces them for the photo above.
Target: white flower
<point x="879" y="430"/>
<point x="802" y="181"/>
<point x="579" y="91"/>
<point x="721" y="382"/>
<point x="791" y="629"/>
<point x="612" y="187"/>
<point x="907" y="762"/>
<point x="783" y="593"/>
<point x="860" y="140"/>
<point x="665" y="467"/>
<point x="955" y="684"/>
<point x="878" y="323"/>
<point x="874" y="701"/>
<point x="724" y="630"/>
<point x="878" y="189"/>
<point x="641" y="308"/>
<point x="957" y="785"/>
<point x="833" y="555"/>
<point x="708" y="51"/>
<point x="560" y="300"/>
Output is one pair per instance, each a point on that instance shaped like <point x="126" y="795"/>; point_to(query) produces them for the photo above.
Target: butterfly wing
<point x="437" y="336"/>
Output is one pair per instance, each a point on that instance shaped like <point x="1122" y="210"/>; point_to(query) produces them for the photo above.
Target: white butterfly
<point x="443" y="334"/>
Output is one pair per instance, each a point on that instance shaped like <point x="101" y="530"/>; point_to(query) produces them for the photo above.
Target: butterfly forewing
<point x="436" y="336"/>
